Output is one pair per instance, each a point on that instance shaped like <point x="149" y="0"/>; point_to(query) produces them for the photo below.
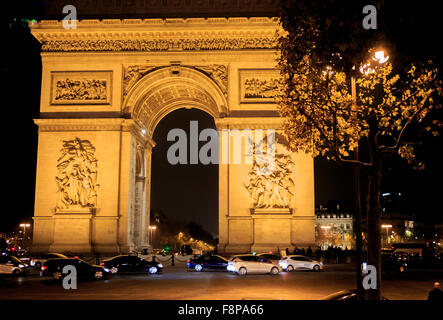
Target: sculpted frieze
<point x="76" y="175"/>
<point x="270" y="181"/>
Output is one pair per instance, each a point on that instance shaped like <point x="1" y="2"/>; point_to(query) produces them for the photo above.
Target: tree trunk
<point x="374" y="210"/>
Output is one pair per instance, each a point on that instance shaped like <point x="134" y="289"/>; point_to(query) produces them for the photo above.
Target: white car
<point x="297" y="262"/>
<point x="12" y="265"/>
<point x="248" y="263"/>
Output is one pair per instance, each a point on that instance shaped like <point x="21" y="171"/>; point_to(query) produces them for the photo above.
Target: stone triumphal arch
<point x="105" y="87"/>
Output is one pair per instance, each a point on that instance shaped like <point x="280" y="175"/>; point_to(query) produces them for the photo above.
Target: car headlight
<point x="159" y="265"/>
<point x="21" y="266"/>
<point x="106" y="269"/>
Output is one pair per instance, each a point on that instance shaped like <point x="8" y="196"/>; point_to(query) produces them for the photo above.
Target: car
<point x="248" y="263"/>
<point x="345" y="295"/>
<point x="131" y="264"/>
<point x="12" y="265"/>
<point x="207" y="262"/>
<point x="54" y="268"/>
<point x="273" y="257"/>
<point x="391" y="263"/>
<point x="38" y="260"/>
<point x="298" y="262"/>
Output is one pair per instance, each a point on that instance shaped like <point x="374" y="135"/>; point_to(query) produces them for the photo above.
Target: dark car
<point x="132" y="264"/>
<point x="345" y="295"/>
<point x="270" y="256"/>
<point x="207" y="262"/>
<point x="54" y="268"/>
<point x="391" y="263"/>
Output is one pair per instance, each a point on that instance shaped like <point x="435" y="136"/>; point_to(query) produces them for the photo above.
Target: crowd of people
<point x="330" y="255"/>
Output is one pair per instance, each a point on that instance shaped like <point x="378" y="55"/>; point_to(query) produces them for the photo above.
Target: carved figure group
<point x="80" y="90"/>
<point x="76" y="175"/>
<point x="261" y="88"/>
<point x="270" y="181"/>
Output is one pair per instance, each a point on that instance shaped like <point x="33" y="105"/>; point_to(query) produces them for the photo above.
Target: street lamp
<point x="151" y="229"/>
<point x="387" y="226"/>
<point x="24" y="226"/>
<point x="327" y="235"/>
<point x="379" y="57"/>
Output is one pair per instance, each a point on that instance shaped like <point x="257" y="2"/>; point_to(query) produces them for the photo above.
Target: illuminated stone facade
<point x="105" y="87"/>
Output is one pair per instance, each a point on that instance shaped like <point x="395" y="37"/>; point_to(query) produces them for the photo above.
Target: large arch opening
<point x="184" y="197"/>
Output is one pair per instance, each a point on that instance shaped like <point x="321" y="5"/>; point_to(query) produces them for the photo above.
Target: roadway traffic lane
<point x="178" y="284"/>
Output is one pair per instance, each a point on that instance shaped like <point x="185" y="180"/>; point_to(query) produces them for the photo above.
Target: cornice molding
<point x="158" y="34"/>
<point x="125" y="125"/>
<point x="249" y="123"/>
<point x="79" y="124"/>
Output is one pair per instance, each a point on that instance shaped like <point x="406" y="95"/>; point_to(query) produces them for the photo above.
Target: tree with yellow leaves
<point x="322" y="117"/>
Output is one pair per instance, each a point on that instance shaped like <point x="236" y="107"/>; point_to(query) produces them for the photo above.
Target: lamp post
<point x="379" y="57"/>
<point x="24" y="226"/>
<point x="387" y="227"/>
<point x="326" y="229"/>
<point x="151" y="229"/>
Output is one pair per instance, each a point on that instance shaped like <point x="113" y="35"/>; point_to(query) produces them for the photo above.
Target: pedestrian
<point x="295" y="250"/>
<point x="435" y="295"/>
<point x="309" y="252"/>
<point x="287" y="251"/>
<point x="318" y="253"/>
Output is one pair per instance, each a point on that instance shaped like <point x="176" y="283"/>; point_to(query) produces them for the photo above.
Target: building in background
<point x="401" y="223"/>
<point x="334" y="226"/>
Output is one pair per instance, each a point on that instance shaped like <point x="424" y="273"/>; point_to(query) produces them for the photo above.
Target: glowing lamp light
<point x="365" y="69"/>
<point x="328" y="70"/>
<point x="386" y="225"/>
<point x="379" y="56"/>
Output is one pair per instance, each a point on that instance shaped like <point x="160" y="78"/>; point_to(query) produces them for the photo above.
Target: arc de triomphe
<point x="105" y="87"/>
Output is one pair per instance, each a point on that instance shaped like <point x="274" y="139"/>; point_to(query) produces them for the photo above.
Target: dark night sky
<point x="184" y="192"/>
<point x="192" y="190"/>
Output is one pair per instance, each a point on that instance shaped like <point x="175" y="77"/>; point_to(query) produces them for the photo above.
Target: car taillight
<point x="102" y="264"/>
<point x="44" y="268"/>
<point x="189" y="260"/>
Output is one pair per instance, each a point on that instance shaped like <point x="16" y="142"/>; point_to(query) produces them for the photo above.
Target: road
<point x="178" y="284"/>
